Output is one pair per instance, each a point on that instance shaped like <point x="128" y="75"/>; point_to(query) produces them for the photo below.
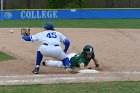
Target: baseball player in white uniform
<point x="50" y="46"/>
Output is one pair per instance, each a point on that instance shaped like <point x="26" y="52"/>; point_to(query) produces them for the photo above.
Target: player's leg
<point x="57" y="53"/>
<point x="53" y="63"/>
<point x="66" y="60"/>
<point x="57" y="63"/>
<point x="39" y="57"/>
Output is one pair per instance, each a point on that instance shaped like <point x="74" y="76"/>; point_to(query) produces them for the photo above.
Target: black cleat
<point x="36" y="70"/>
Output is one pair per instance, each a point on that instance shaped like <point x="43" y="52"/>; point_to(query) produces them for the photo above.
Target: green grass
<point x="75" y="23"/>
<point x="105" y="87"/>
<point x="5" y="57"/>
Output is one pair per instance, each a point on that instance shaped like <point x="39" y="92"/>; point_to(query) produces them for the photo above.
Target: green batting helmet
<point x="88" y="49"/>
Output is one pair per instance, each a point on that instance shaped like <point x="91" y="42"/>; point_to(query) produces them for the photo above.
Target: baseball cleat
<point x="36" y="70"/>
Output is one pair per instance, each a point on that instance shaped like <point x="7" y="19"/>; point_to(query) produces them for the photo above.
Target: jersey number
<point x="51" y="35"/>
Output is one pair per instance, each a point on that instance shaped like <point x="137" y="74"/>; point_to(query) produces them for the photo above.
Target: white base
<point x="88" y="71"/>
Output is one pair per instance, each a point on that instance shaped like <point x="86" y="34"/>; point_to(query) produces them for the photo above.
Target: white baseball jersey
<point x="50" y="44"/>
<point x="49" y="37"/>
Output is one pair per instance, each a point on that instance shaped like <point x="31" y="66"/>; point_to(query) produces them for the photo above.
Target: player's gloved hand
<point x="25" y="31"/>
<point x="71" y="71"/>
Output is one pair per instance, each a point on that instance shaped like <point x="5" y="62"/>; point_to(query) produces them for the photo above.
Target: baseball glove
<point x="25" y="31"/>
<point x="71" y="71"/>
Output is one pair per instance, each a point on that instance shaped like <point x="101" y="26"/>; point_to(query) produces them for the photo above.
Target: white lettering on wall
<point x="52" y="14"/>
<point x="22" y="14"/>
<point x="28" y="14"/>
<point x="44" y="14"/>
<point x="38" y="14"/>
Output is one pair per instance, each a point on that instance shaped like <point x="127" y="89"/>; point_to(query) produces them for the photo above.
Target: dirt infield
<point x="116" y="49"/>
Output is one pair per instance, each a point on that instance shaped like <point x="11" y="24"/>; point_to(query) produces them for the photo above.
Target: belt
<point x="47" y="44"/>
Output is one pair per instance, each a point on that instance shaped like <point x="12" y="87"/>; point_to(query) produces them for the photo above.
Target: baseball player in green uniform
<point x="78" y="60"/>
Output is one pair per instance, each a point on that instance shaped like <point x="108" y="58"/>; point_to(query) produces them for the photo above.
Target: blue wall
<point x="68" y="14"/>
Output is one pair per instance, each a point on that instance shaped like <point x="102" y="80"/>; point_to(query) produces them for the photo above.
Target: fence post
<point x="1" y="9"/>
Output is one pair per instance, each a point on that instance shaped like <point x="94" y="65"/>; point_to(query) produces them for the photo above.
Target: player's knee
<point x="66" y="62"/>
<point x="65" y="59"/>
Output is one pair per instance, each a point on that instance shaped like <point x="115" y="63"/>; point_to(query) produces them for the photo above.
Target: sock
<point x="39" y="57"/>
<point x="66" y="62"/>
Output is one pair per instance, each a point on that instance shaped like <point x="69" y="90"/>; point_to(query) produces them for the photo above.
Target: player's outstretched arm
<point x="26" y="38"/>
<point x="97" y="67"/>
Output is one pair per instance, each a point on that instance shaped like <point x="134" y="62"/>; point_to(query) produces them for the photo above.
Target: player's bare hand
<point x="98" y="68"/>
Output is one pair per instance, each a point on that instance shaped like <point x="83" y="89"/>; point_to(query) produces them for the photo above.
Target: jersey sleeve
<point x="62" y="38"/>
<point x="35" y="37"/>
<point x="81" y="60"/>
<point x="93" y="56"/>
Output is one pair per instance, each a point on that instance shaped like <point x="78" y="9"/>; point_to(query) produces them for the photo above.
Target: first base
<point x="88" y="71"/>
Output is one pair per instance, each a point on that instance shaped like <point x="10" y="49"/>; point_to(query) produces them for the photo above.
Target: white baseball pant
<point x="58" y="63"/>
<point x="52" y="51"/>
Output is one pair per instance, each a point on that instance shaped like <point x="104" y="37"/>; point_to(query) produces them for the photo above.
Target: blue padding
<point x="66" y="62"/>
<point x="67" y="44"/>
<point x="26" y="38"/>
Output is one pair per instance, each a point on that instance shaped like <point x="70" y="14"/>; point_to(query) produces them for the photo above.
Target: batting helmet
<point x="88" y="49"/>
<point x="49" y="26"/>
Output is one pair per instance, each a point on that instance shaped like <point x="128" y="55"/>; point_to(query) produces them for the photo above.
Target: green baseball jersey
<point x="80" y="58"/>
